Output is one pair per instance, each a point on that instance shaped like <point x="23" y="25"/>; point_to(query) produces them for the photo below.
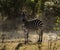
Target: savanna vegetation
<point x="14" y="14"/>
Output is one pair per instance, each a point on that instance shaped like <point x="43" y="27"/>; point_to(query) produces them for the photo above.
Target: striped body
<point x="33" y="24"/>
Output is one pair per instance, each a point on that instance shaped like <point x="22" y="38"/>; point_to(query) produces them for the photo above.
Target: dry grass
<point x="31" y="46"/>
<point x="47" y="45"/>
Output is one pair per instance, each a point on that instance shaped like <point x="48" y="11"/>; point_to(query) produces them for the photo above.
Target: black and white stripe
<point x="33" y="24"/>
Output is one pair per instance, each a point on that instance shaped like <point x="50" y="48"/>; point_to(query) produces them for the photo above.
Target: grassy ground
<point x="33" y="46"/>
<point x="44" y="46"/>
<point x="47" y="45"/>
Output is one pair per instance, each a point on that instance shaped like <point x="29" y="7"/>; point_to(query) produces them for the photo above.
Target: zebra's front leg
<point x="26" y="36"/>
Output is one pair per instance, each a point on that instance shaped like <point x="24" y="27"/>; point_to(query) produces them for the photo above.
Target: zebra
<point x="34" y="24"/>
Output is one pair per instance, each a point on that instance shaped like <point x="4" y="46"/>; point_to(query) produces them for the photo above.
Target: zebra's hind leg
<point x="39" y="42"/>
<point x="40" y="36"/>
